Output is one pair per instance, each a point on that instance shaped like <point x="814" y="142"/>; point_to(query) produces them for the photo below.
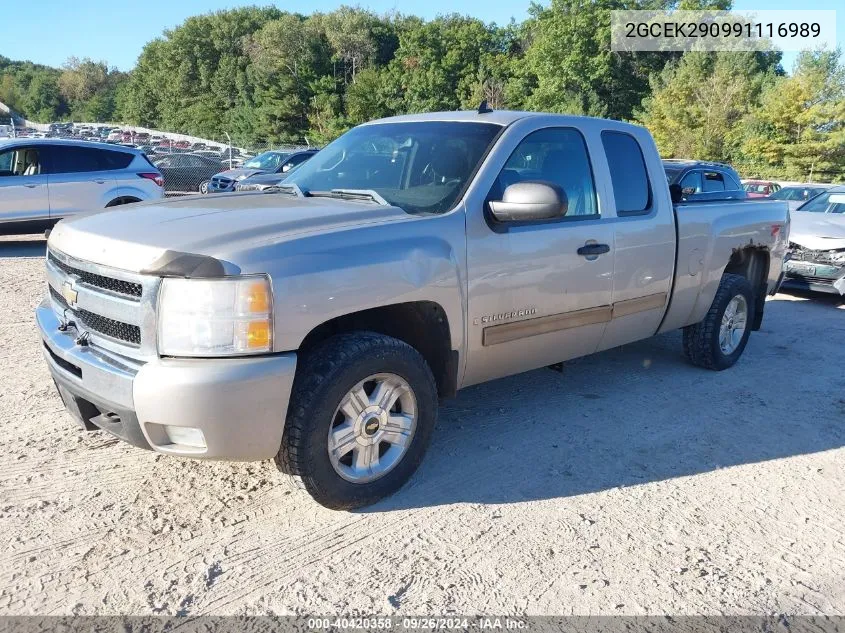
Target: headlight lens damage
<point x="215" y="317"/>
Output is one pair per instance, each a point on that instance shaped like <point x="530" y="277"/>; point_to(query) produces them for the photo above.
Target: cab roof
<point x="496" y="117"/>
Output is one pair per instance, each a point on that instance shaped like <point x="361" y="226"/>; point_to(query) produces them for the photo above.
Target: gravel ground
<point x="631" y="483"/>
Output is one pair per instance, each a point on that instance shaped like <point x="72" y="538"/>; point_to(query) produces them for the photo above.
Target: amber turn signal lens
<point x="258" y="335"/>
<point x="258" y="298"/>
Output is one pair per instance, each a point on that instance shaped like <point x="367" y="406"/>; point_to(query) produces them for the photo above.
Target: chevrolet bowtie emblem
<point x="69" y="293"/>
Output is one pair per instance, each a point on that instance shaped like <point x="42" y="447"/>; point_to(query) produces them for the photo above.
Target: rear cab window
<point x="628" y="173"/>
<point x="713" y="181"/>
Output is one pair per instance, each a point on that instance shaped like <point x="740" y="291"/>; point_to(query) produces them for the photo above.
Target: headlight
<point x="215" y="317"/>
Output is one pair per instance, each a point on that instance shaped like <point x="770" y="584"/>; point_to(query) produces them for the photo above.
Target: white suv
<point x="45" y="180"/>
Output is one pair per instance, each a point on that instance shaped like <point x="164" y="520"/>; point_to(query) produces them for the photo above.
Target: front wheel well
<point x="753" y="264"/>
<point x="421" y="324"/>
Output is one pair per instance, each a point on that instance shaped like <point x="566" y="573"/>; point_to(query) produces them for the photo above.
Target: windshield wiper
<point x="352" y="194"/>
<point x="291" y="190"/>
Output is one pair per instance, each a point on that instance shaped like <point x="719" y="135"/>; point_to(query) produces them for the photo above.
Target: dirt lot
<point x="632" y="483"/>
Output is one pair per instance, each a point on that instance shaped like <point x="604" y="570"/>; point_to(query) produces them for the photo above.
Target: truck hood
<point x="818" y="231"/>
<point x="133" y="237"/>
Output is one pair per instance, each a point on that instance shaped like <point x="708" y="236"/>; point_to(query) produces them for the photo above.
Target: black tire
<point x="203" y="188"/>
<point x="701" y="341"/>
<point x="323" y="378"/>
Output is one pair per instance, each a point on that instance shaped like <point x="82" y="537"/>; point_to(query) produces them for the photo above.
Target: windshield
<point x="796" y="193"/>
<point x="754" y="187"/>
<point x="267" y="160"/>
<point x="833" y="202"/>
<point x="421" y="167"/>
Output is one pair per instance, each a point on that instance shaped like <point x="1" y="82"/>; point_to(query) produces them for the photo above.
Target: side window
<point x="631" y="187"/>
<point x="732" y="184"/>
<point x="110" y="160"/>
<point x="556" y="155"/>
<point x="68" y="159"/>
<point x="691" y="183"/>
<point x="7" y="162"/>
<point x="20" y="162"/>
<point x="713" y="181"/>
<point x="294" y="161"/>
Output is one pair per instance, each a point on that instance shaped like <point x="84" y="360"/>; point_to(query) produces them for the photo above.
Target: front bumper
<point x="238" y="404"/>
<point x="221" y="186"/>
<point x="815" y="276"/>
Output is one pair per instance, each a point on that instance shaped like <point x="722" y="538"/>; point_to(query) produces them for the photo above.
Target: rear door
<point x="24" y="194"/>
<point x="645" y="239"/>
<point x="79" y="180"/>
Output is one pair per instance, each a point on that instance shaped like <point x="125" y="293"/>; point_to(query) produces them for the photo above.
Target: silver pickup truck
<point x="318" y="322"/>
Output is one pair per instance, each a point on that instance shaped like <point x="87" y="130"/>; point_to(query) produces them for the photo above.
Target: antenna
<point x="483" y="108"/>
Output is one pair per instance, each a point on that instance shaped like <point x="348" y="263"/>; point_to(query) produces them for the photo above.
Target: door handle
<point x="30" y="185"/>
<point x="99" y="181"/>
<point x="593" y="250"/>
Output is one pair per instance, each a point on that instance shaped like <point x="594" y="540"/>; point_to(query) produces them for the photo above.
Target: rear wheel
<point x="203" y="188"/>
<point x="361" y="416"/>
<point x="719" y="339"/>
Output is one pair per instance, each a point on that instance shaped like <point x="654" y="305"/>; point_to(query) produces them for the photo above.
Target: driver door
<point x="540" y="291"/>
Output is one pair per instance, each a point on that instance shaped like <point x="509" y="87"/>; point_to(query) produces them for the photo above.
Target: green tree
<point x="798" y="129"/>
<point x="699" y="103"/>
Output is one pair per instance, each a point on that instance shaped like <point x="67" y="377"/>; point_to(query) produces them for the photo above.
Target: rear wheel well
<point x="421" y="324"/>
<point x="122" y="200"/>
<point x="753" y="264"/>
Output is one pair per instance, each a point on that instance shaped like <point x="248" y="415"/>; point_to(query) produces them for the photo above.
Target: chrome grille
<point x="108" y="327"/>
<point x="99" y="281"/>
<point x="116" y="308"/>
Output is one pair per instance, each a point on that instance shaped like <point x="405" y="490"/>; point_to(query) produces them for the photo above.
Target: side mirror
<point x="530" y="200"/>
<point x="676" y="193"/>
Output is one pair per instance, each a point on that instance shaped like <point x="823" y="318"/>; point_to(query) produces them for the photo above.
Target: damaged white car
<point x="817" y="245"/>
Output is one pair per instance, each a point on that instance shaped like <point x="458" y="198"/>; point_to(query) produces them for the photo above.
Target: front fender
<point x="317" y="278"/>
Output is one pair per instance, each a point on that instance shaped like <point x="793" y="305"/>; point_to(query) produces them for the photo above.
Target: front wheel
<point x="204" y="187"/>
<point x="361" y="416"/>
<point x="718" y="340"/>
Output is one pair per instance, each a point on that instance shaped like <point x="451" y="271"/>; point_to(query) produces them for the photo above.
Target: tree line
<point x="264" y="75"/>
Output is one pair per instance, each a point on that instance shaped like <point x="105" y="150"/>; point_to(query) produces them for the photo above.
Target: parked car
<point x="262" y="182"/>
<point x="411" y="257"/>
<point x="796" y="195"/>
<point x="45" y="180"/>
<point x="760" y="188"/>
<point x="701" y="180"/>
<point x="186" y="172"/>
<point x="817" y="244"/>
<point x="115" y="136"/>
<point x="268" y="162"/>
<point x="182" y="145"/>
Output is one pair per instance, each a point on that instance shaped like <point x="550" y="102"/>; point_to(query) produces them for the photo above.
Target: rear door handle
<point x="593" y="250"/>
<point x="99" y="181"/>
<point x="30" y="185"/>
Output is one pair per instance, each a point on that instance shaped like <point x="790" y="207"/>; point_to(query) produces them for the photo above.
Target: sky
<point x="116" y="31"/>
